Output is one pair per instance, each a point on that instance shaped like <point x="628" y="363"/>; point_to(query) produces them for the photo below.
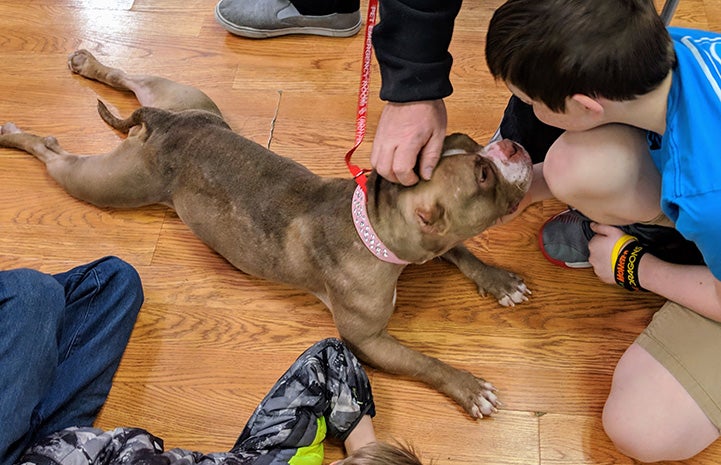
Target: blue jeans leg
<point x="63" y="338"/>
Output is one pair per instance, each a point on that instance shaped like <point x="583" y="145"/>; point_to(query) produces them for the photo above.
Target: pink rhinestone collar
<point x="366" y="232"/>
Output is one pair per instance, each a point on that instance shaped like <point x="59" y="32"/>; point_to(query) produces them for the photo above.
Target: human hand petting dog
<point x="408" y="133"/>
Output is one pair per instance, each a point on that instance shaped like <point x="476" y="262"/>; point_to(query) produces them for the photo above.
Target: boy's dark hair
<point x="553" y="49"/>
<point x="383" y="453"/>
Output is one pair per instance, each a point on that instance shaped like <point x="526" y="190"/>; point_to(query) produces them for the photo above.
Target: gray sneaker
<point x="564" y="239"/>
<point x="260" y="19"/>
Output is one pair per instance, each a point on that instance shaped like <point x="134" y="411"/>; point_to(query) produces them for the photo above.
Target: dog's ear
<point x="459" y="143"/>
<point x="432" y="219"/>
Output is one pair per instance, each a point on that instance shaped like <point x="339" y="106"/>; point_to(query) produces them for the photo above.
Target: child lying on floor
<point x="325" y="392"/>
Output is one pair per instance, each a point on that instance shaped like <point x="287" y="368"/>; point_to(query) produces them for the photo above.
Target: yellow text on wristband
<point x="626" y="266"/>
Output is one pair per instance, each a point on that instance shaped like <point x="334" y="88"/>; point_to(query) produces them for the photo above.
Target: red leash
<point x="362" y="115"/>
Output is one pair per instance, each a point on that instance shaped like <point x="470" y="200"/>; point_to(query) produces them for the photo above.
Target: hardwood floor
<point x="210" y="340"/>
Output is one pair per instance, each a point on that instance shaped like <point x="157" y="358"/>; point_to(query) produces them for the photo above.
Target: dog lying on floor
<point x="271" y="217"/>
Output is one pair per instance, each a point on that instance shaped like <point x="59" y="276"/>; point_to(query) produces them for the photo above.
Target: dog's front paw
<point x="516" y="296"/>
<point x="508" y="288"/>
<point x="477" y="396"/>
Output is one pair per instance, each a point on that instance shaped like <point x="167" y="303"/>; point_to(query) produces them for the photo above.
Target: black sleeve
<point x="411" y="44"/>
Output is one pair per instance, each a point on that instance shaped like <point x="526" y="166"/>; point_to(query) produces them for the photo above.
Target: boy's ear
<point x="590" y="104"/>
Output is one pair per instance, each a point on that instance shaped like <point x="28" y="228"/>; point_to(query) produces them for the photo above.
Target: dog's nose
<point x="508" y="147"/>
<point x="514" y="149"/>
<point x="507" y="150"/>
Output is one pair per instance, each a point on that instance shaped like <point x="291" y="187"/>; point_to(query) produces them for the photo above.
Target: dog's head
<point x="471" y="188"/>
<point x="502" y="171"/>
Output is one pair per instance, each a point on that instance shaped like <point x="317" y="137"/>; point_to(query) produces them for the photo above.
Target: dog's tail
<point x="122" y="125"/>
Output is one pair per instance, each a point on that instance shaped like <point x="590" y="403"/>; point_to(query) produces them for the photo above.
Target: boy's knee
<point x="127" y="273"/>
<point x="123" y="276"/>
<point x="595" y="164"/>
<point x="566" y="168"/>
<point x="638" y="438"/>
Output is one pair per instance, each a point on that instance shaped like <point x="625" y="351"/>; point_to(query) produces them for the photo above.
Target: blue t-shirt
<point x="688" y="155"/>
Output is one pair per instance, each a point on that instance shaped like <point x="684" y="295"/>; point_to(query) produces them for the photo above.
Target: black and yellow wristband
<point x="626" y="263"/>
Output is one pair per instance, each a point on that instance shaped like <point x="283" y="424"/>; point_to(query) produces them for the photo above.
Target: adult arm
<point x="411" y="44"/>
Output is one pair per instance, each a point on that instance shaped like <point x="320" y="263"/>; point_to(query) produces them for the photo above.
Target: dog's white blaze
<point x="514" y="172"/>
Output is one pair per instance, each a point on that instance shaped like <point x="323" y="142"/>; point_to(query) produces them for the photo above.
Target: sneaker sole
<point x="254" y="33"/>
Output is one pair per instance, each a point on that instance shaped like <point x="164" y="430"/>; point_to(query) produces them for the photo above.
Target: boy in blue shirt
<point x="641" y="106"/>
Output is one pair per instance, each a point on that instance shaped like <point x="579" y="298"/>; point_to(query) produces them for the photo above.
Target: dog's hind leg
<point x="116" y="179"/>
<point x="151" y="91"/>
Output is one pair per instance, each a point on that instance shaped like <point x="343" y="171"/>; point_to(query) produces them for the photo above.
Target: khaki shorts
<point x="689" y="346"/>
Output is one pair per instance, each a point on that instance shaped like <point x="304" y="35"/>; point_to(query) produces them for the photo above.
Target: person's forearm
<point x="362" y="435"/>
<point x="691" y="286"/>
<point x="411" y="45"/>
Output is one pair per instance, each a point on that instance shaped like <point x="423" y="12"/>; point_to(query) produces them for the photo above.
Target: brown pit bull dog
<point x="271" y="217"/>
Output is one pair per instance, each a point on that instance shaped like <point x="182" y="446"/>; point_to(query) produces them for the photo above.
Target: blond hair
<point x="383" y="453"/>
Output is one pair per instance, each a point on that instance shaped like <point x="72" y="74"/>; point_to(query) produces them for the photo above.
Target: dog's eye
<point x="483" y="175"/>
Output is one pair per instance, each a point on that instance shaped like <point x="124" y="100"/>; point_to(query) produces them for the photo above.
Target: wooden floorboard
<point x="210" y="340"/>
